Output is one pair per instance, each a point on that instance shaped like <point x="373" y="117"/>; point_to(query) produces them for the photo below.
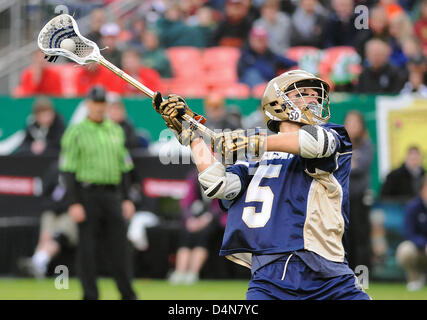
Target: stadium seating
<point x="233" y="90"/>
<point x="205" y="70"/>
<point x="185" y="87"/>
<point x="220" y="64"/>
<point x="186" y="62"/>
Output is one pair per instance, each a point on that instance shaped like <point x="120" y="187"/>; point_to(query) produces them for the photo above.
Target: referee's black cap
<point x="97" y="94"/>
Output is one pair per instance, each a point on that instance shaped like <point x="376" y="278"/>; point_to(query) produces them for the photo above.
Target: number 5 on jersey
<point x="257" y="193"/>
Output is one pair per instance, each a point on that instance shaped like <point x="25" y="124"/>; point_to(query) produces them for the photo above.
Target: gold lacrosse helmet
<point x="296" y="96"/>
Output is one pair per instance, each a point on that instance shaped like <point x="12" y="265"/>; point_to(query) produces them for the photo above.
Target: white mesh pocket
<point x="64" y="27"/>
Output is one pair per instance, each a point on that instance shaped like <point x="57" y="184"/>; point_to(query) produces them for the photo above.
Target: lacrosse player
<point x="288" y="211"/>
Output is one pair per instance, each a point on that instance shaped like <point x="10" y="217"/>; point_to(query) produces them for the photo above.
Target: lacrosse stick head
<point x="65" y="27"/>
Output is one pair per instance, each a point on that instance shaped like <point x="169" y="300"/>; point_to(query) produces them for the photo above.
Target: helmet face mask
<point x="310" y="98"/>
<point x="296" y="96"/>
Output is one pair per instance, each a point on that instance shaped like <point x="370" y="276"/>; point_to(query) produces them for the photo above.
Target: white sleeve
<point x="217" y="183"/>
<point x="316" y="142"/>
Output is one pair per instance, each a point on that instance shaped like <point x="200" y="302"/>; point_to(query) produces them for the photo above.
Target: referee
<point x="95" y="165"/>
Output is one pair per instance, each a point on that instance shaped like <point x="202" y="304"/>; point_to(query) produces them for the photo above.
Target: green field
<point x="31" y="289"/>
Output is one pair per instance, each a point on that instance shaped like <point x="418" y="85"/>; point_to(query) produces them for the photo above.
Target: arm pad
<point x="316" y="142"/>
<point x="219" y="184"/>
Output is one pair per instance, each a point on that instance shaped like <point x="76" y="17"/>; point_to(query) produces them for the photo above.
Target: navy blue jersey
<point x="290" y="203"/>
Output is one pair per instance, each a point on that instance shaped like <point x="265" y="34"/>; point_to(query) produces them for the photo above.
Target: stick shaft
<point x="150" y="93"/>
<point x="127" y="77"/>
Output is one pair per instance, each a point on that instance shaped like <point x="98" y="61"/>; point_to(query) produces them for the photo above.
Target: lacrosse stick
<point x="85" y="51"/>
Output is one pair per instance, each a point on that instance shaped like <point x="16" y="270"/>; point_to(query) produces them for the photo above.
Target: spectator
<point x="409" y="5"/>
<point x="94" y="74"/>
<point x="420" y="26"/>
<point x="415" y="85"/>
<point x="307" y="25"/>
<point x="216" y="113"/>
<point x="57" y="230"/>
<point x="205" y="23"/>
<point x="278" y="25"/>
<point x="411" y="47"/>
<point x="125" y="35"/>
<point x="257" y="63"/>
<point x="152" y="10"/>
<point x="379" y="76"/>
<point x="109" y="40"/>
<point x="153" y="56"/>
<point x="137" y="31"/>
<point x="359" y="247"/>
<point x="201" y="221"/>
<point x="132" y="65"/>
<point x="404" y="183"/>
<point x="392" y="8"/>
<point x="378" y="28"/>
<point x="400" y="28"/>
<point x="411" y="254"/>
<point x="417" y="67"/>
<point x="173" y="32"/>
<point x="97" y="20"/>
<point x="117" y="113"/>
<point x="39" y="78"/>
<point x="189" y="9"/>
<point x="288" y="6"/>
<point x="216" y="4"/>
<point x="339" y="25"/>
<point x="234" y="29"/>
<point x="44" y="130"/>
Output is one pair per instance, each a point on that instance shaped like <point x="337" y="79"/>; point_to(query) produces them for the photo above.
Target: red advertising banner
<point x="25" y="186"/>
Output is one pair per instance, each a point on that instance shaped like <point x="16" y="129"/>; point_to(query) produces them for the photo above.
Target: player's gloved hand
<point x="239" y="145"/>
<point x="172" y="110"/>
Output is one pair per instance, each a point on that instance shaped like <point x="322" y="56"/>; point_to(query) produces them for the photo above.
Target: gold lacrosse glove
<point x="239" y="145"/>
<point x="172" y="110"/>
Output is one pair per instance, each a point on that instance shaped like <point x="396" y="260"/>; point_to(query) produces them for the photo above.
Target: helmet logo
<point x="279" y="92"/>
<point x="294" y="113"/>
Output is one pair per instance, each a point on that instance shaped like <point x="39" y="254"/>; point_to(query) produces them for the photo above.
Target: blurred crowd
<point x="166" y="44"/>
